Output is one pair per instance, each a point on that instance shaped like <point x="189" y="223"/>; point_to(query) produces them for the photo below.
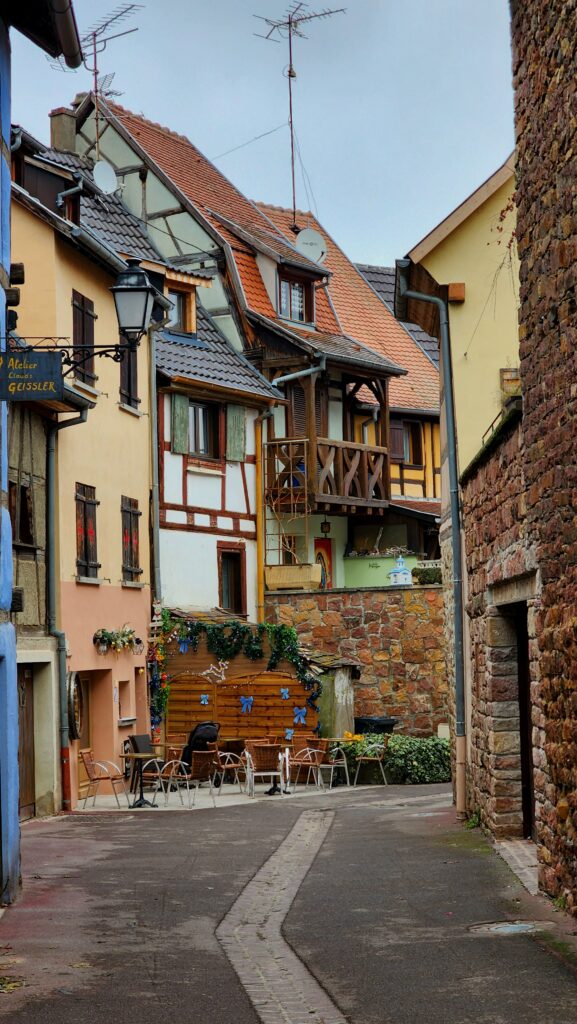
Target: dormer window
<point x="296" y="299"/>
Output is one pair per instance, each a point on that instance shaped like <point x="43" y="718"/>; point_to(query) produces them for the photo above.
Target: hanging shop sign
<point x="29" y="374"/>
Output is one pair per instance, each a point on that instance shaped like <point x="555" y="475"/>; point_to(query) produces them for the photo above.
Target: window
<point x="296" y="300"/>
<point x="83" y="317"/>
<point x="232" y="577"/>
<point x="179" y="314"/>
<point x="289" y="549"/>
<point x="130" y="554"/>
<point x="86" y="559"/>
<point x="129" y="379"/>
<point x="21" y="514"/>
<point x="203" y="430"/>
<point x="406" y="442"/>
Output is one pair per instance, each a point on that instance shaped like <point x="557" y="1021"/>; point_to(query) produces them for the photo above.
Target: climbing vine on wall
<point x="225" y="640"/>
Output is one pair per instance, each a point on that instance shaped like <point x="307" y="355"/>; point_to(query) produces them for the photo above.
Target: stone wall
<point x="545" y="79"/>
<point x="396" y="636"/>
<point x="501" y="583"/>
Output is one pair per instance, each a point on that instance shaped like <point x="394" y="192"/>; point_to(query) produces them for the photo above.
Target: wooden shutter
<point x="89" y="318"/>
<point x="179" y="427"/>
<point x="83" y="317"/>
<point x="130" y="540"/>
<point x="299" y="411"/>
<point x="235" y="433"/>
<point x="86" y="548"/>
<point x="129" y="378"/>
<point x="321" y="409"/>
<point x="397" y="440"/>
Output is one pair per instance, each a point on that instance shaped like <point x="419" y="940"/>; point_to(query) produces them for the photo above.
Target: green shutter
<point x="235" y="433"/>
<point x="179" y="432"/>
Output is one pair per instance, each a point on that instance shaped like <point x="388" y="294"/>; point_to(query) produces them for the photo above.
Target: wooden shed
<point x="253" y="680"/>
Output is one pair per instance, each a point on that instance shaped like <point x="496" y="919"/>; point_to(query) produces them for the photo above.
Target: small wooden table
<point x="141" y="801"/>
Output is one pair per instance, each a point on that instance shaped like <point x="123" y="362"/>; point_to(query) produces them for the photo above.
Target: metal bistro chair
<point x="309" y="758"/>
<point x="102" y="771"/>
<point x="178" y="775"/>
<point x="263" y="760"/>
<point x="375" y="755"/>
<point x="141" y="743"/>
<point x="227" y="764"/>
<point x="334" y="760"/>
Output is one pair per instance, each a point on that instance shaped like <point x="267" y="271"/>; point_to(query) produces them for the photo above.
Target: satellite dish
<point x="312" y="245"/>
<point x="105" y="177"/>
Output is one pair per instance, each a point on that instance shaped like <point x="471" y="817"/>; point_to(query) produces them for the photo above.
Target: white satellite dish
<point x="312" y="245"/>
<point x="105" y="177"/>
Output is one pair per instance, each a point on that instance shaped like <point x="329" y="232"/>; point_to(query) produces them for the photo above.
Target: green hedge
<point x="408" y="758"/>
<point x="415" y="760"/>
<point x="427" y="576"/>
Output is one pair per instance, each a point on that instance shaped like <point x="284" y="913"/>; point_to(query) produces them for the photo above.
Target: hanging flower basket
<point x="117" y="640"/>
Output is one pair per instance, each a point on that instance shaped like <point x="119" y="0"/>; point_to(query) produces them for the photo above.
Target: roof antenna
<point x="286" y="28"/>
<point x="95" y="41"/>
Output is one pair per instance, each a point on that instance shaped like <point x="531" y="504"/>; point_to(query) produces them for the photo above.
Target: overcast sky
<point x="401" y="108"/>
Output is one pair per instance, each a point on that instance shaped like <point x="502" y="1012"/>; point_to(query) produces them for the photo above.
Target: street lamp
<point x="134" y="298"/>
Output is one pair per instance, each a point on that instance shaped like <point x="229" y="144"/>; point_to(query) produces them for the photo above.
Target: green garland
<point x="226" y="641"/>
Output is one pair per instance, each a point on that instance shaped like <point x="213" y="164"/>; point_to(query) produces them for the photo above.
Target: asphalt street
<point x="363" y="906"/>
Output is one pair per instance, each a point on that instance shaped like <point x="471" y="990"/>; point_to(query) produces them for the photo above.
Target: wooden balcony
<point x="302" y="476"/>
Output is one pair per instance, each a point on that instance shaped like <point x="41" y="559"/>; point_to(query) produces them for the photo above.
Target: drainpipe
<point x="70" y="191"/>
<point x="51" y="598"/>
<point x="259" y="514"/>
<point x="404" y="291"/>
<point x="302" y="373"/>
<point x="67" y="32"/>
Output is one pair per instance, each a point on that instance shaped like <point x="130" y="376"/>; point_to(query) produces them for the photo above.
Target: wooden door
<point x="85" y="739"/>
<point x="27" y="795"/>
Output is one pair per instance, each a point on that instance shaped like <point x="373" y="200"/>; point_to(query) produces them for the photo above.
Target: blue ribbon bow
<point x="284" y="692"/>
<point x="246" y="703"/>
<point x="288" y="734"/>
<point x="183" y="646"/>
<point x="204" y="698"/>
<point x="300" y="715"/>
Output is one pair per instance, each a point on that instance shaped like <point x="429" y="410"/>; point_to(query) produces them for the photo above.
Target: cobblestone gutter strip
<point x="278" y="984"/>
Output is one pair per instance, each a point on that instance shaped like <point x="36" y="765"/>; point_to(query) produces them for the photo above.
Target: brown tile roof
<point x="224" y="206"/>
<point x="430" y="508"/>
<point x="362" y="314"/>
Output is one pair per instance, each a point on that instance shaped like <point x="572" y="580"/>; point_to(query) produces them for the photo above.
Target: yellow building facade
<point x="102" y="464"/>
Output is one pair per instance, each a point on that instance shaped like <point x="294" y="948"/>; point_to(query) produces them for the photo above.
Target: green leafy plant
<point x="414" y="760"/>
<point x="427" y="576"/>
<point x="117" y="639"/>
<point x="473" y="821"/>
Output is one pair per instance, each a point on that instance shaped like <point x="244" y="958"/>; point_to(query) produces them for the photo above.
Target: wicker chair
<point x="263" y="760"/>
<point x="102" y="771"/>
<point x="225" y="765"/>
<point x="311" y="759"/>
<point x="375" y="755"/>
<point x="176" y="775"/>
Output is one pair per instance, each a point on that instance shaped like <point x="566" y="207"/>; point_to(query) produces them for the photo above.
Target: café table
<point x="139" y="760"/>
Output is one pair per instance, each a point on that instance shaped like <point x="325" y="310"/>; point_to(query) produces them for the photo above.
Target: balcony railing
<point x="329" y="472"/>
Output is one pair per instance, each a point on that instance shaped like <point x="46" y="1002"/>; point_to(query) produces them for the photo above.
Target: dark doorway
<point x="27" y="793"/>
<point x="525" y="721"/>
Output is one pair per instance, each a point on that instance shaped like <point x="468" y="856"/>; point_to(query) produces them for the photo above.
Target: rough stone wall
<point x="545" y="79"/>
<point x="395" y="634"/>
<point x="497" y="552"/>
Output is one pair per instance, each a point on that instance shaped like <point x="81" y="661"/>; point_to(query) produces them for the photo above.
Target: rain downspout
<point x="406" y="293"/>
<point x="302" y="373"/>
<point x="51" y="598"/>
<point x="259" y="514"/>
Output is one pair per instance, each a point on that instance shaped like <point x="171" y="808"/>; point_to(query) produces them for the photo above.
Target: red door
<point x="27" y="797"/>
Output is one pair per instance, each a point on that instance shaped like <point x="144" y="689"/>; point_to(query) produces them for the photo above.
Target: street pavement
<point x="366" y="906"/>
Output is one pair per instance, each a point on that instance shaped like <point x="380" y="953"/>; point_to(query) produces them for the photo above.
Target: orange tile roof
<point x="362" y="315"/>
<point x="357" y="311"/>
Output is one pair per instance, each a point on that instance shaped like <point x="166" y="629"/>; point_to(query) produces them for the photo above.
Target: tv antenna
<point x="93" y="43"/>
<point x="287" y="27"/>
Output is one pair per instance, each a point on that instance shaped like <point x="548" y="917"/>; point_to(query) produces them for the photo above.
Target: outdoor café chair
<point x="178" y="775"/>
<point x="375" y="754"/>
<point x="102" y="771"/>
<point x="264" y="761"/>
<point x="227" y="764"/>
<point x="141" y="743"/>
<point x="334" y="760"/>
<point x="311" y="760"/>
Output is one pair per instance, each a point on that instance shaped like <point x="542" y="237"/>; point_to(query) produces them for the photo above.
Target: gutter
<point x="53" y="430"/>
<point x="67" y="31"/>
<point x="403" y="292"/>
<point x="320" y="368"/>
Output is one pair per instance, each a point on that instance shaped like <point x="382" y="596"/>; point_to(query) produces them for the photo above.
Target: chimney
<point x="63" y="125"/>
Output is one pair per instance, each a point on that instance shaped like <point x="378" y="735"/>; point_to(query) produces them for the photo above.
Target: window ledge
<point x="133" y="584"/>
<point x="129" y="409"/>
<point x="129" y="720"/>
<point x="94" y="581"/>
<point x="207" y="470"/>
<point x="90" y="390"/>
